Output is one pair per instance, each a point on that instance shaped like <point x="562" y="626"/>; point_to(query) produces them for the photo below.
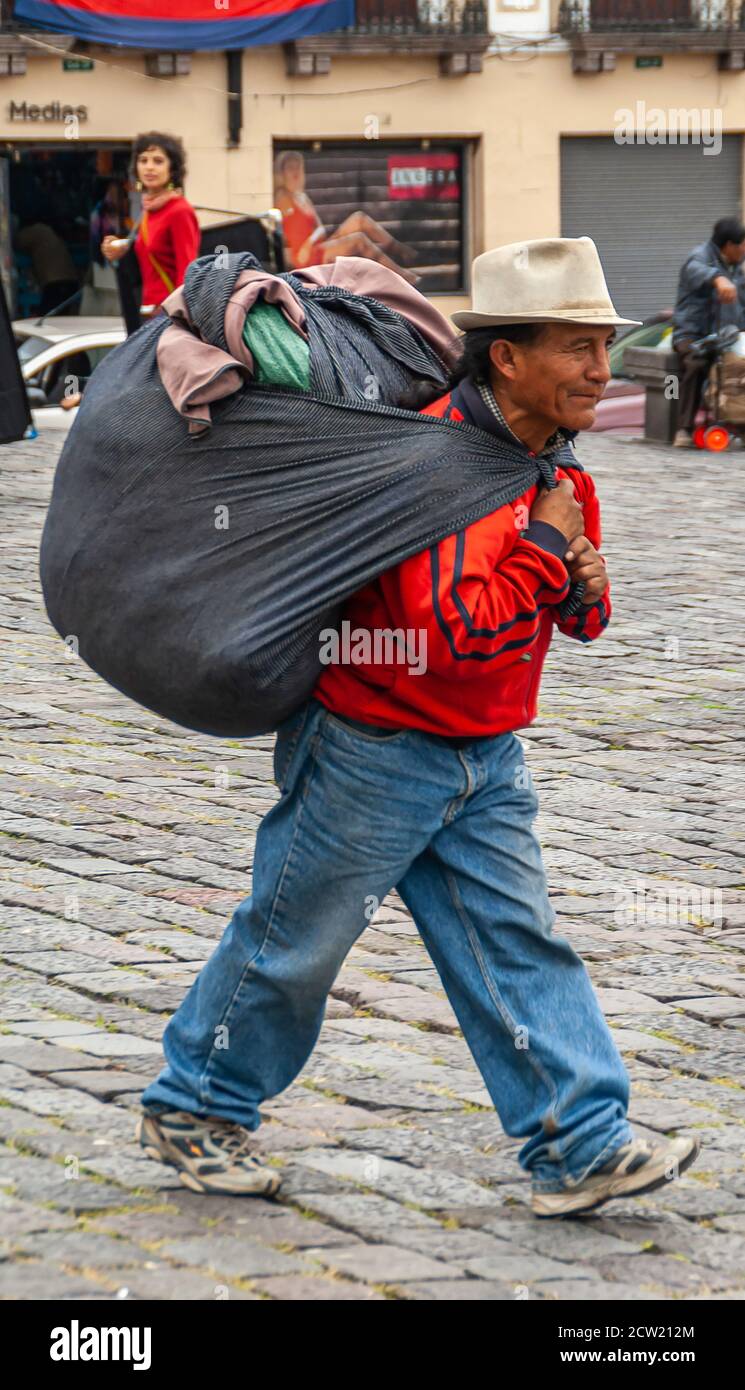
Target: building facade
<point x="457" y="125"/>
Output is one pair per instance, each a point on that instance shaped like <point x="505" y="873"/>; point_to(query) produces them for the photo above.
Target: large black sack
<point x="216" y="626"/>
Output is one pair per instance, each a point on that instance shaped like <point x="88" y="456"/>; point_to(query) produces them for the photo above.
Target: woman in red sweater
<point x="167" y="232"/>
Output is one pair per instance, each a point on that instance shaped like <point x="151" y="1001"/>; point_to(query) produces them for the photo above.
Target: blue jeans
<point x="451" y="830"/>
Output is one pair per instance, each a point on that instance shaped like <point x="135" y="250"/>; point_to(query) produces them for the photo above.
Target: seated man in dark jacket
<point x="711" y="293"/>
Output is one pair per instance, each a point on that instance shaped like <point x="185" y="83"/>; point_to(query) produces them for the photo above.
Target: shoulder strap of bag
<point x="157" y="267"/>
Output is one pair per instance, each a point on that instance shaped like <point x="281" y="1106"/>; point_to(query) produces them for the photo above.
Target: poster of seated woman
<point x="309" y="242"/>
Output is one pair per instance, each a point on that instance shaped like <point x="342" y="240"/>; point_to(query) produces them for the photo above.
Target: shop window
<point x="400" y="204"/>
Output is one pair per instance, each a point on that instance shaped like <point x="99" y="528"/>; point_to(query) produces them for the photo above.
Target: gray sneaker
<point x="211" y="1155"/>
<point x="635" y="1168"/>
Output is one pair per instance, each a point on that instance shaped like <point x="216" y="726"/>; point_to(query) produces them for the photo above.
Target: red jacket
<point x="481" y="607"/>
<point x="173" y="241"/>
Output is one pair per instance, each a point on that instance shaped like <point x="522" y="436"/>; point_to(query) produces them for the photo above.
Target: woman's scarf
<point x="153" y="202"/>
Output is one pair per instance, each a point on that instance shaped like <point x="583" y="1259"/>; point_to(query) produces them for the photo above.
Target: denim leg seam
<point x="224" y="1021"/>
<point x="493" y="991"/>
<point x="455" y="806"/>
<point x="285" y="867"/>
<point x="290" y="752"/>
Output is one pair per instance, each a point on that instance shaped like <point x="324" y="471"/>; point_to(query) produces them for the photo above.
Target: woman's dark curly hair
<point x="469" y="357"/>
<point x="171" y="145"/>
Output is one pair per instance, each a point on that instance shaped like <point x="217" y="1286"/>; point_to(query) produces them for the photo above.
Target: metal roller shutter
<point x="646" y="207"/>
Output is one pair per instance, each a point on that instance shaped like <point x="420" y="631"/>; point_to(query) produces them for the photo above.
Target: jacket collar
<point x="479" y="406"/>
<point x="715" y="251"/>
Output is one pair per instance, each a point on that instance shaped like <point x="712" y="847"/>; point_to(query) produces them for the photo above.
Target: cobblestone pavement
<point x="126" y="842"/>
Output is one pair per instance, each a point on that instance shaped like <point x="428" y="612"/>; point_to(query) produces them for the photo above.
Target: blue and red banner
<point x="187" y="24"/>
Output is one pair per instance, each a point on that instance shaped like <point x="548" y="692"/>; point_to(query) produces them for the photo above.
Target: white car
<point x="57" y="355"/>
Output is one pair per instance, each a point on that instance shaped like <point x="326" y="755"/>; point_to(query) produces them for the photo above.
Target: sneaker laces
<point x="232" y="1138"/>
<point x="629" y="1154"/>
<point x="641" y="1146"/>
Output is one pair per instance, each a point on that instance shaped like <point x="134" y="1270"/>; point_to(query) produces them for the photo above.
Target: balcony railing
<point x="395" y="17"/>
<point x="456" y="31"/>
<point x="660" y="16"/>
<point x="14" y="50"/>
<point x="12" y="27"/>
<point x="598" y="30"/>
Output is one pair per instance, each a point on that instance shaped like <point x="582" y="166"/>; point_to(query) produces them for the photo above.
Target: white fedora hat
<point x="554" y="280"/>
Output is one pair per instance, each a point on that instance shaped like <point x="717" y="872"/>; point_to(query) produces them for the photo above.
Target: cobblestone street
<point x="126" y="843"/>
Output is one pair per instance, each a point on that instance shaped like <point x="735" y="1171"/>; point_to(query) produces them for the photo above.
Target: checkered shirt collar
<point x="558" y="438"/>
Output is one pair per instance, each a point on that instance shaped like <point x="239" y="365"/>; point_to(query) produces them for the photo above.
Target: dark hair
<point x="473" y="348"/>
<point x="469" y="357"/>
<point x="728" y="229"/>
<point x="170" y="144"/>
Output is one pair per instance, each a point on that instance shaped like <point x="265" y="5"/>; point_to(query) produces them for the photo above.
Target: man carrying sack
<point x="407" y="773"/>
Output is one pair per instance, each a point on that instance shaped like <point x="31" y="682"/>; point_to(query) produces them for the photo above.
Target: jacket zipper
<point x="529" y="691"/>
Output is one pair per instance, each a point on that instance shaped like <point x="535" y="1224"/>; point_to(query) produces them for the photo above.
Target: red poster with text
<point x="424" y="175"/>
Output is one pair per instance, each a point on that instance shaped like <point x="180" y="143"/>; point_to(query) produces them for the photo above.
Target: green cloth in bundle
<point x="281" y="356"/>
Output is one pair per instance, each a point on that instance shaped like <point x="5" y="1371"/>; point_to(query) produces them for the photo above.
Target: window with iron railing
<point x="420" y="17"/>
<point x="650" y="13"/>
<point x="576" y="16"/>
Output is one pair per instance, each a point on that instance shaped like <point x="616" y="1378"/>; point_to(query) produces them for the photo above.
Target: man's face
<point x="559" y="379"/>
<point x="734" y="251"/>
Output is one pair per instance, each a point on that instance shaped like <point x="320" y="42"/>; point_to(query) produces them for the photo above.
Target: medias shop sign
<point x="53" y="112"/>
